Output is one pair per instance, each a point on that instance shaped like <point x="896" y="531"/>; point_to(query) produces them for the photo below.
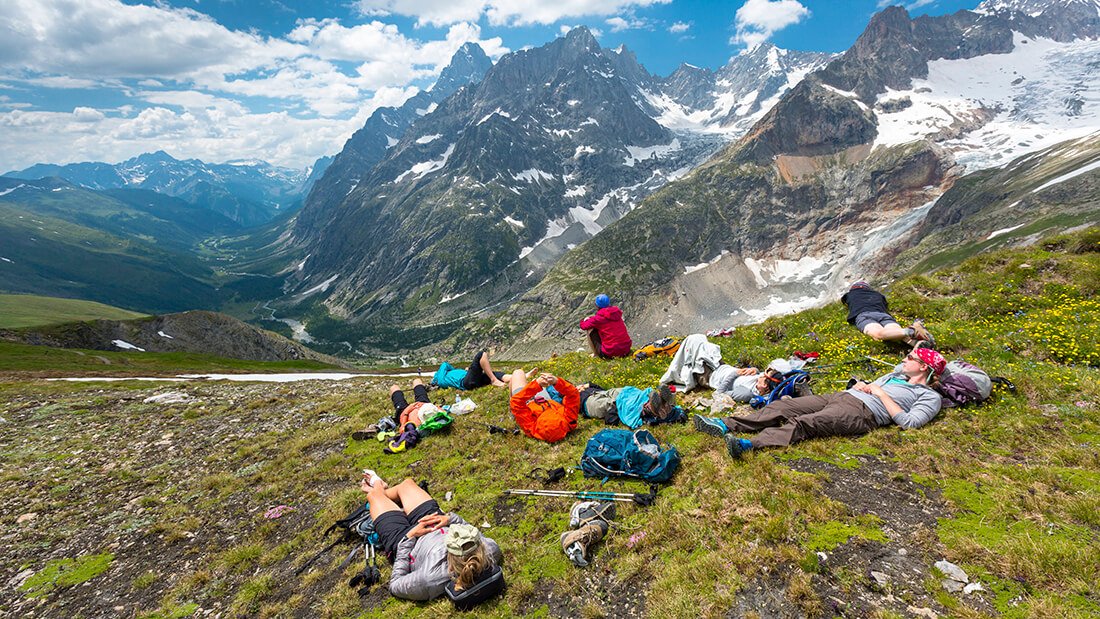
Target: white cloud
<point x="499" y="12"/>
<point x="619" y="24"/>
<point x="322" y="79"/>
<point x="679" y="27"/>
<point x="757" y="20"/>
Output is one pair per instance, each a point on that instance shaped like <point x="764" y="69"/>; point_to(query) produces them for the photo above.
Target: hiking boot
<point x="922" y="335"/>
<point x="660" y="402"/>
<point x="710" y="425"/>
<point x="366" y="433"/>
<point x="576" y="543"/>
<point x="737" y="446"/>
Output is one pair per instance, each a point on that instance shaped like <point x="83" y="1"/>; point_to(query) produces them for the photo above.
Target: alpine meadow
<point x="623" y="308"/>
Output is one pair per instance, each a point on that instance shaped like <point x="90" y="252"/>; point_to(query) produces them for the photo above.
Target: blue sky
<point x="289" y="80"/>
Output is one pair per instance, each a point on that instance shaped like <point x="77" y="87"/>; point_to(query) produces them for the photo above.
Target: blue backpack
<point x="795" y="383"/>
<point x="622" y="453"/>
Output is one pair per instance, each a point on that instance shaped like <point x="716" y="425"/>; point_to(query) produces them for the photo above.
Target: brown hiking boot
<point x="921" y="334"/>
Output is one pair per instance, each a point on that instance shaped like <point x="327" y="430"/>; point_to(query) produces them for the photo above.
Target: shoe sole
<point x="733" y="447"/>
<point x="704" y="426"/>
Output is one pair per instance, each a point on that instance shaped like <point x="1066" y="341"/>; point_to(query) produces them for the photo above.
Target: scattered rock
<point x="17" y="580"/>
<point x="972" y="587"/>
<point x="952" y="586"/>
<point x="880" y="578"/>
<point x="26" y="518"/>
<point x="169" y="397"/>
<point x="485" y="525"/>
<point x="447" y="497"/>
<point x="923" y="612"/>
<point x="952" y="571"/>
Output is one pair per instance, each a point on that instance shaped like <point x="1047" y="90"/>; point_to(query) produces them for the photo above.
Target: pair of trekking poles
<point x="645" y="500"/>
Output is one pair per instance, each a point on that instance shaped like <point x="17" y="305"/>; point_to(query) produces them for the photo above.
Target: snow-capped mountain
<point x="248" y="192"/>
<point x="731" y="99"/>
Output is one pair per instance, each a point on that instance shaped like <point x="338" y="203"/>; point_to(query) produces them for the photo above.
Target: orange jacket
<point x="546" y="420"/>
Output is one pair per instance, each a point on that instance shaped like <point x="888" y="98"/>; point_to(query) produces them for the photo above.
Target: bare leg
<point x="410" y="495"/>
<point x="889" y="332"/>
<point x="380" y="502"/>
<point x="517" y="381"/>
<point x="488" y="369"/>
<point x="593" y="342"/>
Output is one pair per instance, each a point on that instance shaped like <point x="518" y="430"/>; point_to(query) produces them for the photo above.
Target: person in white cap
<point x="419" y="539"/>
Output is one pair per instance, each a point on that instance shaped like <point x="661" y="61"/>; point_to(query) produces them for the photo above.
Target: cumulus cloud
<point x="186" y="76"/>
<point x="679" y="27"/>
<point x="619" y="24"/>
<point x="499" y="12"/>
<point x="757" y="20"/>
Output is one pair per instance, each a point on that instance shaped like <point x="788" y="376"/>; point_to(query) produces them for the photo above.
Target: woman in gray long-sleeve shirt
<point x="902" y="397"/>
<point x="413" y="532"/>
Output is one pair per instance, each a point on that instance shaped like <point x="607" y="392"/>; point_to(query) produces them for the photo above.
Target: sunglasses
<point x="913" y="357"/>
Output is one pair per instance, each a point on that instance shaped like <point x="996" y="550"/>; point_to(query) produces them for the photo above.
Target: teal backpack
<point x="622" y="453"/>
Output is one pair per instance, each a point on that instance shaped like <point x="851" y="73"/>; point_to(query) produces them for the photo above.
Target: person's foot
<point x="372" y="478"/>
<point x="737" y="446"/>
<point x="366" y="433"/>
<point x="922" y="335"/>
<point x="710" y="425"/>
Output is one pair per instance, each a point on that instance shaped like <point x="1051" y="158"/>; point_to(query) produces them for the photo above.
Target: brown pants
<point x="595" y="344"/>
<point x="789" y="421"/>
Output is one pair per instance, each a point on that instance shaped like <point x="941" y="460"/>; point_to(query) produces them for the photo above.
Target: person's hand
<point x="364" y="485"/>
<point x="746" y="371"/>
<point x="864" y="387"/>
<point x="419" y="529"/>
<point x="545" y="380"/>
<point x="436" y="521"/>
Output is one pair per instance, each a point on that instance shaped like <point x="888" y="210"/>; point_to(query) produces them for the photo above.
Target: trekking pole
<point x="886" y="363"/>
<point x="624" y="497"/>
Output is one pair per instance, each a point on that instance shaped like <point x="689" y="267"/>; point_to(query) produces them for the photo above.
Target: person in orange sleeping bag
<point x="538" y="415"/>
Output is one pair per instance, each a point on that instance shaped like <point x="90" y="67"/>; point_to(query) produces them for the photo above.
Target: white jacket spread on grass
<point x="420" y="566"/>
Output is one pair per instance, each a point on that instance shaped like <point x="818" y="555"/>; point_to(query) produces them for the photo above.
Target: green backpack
<point x="435" y="422"/>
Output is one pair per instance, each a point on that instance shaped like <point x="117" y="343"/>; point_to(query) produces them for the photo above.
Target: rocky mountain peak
<point x="467" y="65"/>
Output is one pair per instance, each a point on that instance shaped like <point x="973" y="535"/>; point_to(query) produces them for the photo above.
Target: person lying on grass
<point x="428" y="549"/>
<point x="869" y="312"/>
<point x="698" y="363"/>
<point x="546" y="408"/>
<point x="903" y="397"/>
<point x="479" y="374"/>
<point x="410" y="417"/>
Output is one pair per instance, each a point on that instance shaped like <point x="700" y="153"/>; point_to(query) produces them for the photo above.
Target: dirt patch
<point x="860" y="577"/>
<point x="598" y="592"/>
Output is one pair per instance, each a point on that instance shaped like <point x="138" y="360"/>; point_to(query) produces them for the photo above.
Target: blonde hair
<point x="466" y="568"/>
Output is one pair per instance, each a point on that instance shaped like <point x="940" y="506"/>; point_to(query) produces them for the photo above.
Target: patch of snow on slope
<point x="848" y="95"/>
<point x="6" y="260"/>
<point x="555" y="229"/>
<point x="427" y="167"/>
<point x="533" y="175"/>
<point x="165" y="335"/>
<point x="514" y="222"/>
<point x="322" y="287"/>
<point x="498" y="112"/>
<point x="7" y="191"/>
<point x="390" y="142"/>
<point x="123" y="344"/>
<point x="641" y="153"/>
<point x="429" y="110"/>
<point x="576" y="192"/>
<point x="703" y="265"/>
<point x="424" y="139"/>
<point x="997" y="233"/>
<point x="302" y="264"/>
<point x="1041" y="93"/>
<point x="1065" y="177"/>
<point x="806" y="268"/>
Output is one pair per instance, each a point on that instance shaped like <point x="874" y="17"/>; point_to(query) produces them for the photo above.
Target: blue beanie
<point x="603" y="301"/>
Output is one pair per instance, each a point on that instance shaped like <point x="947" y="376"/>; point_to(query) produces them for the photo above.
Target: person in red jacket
<point x="538" y="414"/>
<point x="607" y="334"/>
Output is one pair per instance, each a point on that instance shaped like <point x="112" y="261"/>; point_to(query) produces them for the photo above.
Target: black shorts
<point x="393" y="525"/>
<point x="420" y="394"/>
<point x="476" y="377"/>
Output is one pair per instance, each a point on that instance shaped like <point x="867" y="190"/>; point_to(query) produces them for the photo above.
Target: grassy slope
<point x="25" y="310"/>
<point x="45" y="360"/>
<point x="1020" y="477"/>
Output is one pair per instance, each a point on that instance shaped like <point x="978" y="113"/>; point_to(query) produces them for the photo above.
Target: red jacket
<point x="546" y="420"/>
<point x="608" y="323"/>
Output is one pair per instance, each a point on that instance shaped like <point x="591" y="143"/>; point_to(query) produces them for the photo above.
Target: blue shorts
<point x="872" y="318"/>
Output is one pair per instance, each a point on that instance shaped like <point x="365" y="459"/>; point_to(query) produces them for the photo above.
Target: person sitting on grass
<point x="607" y="335"/>
<point x="869" y="312"/>
<point x="698" y="363"/>
<point x="428" y="549"/>
<point x="903" y="397"/>
<point x="538" y="413"/>
<point x="479" y="374"/>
